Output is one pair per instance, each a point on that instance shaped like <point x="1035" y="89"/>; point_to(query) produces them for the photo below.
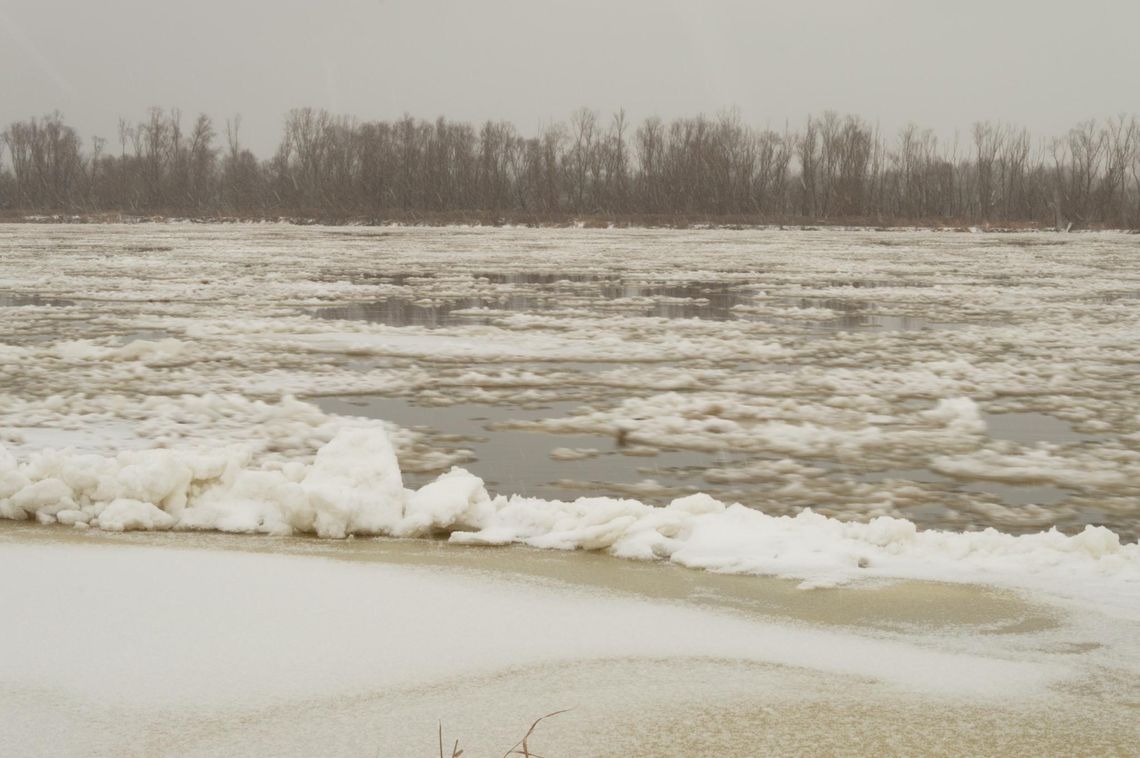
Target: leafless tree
<point x="832" y="167"/>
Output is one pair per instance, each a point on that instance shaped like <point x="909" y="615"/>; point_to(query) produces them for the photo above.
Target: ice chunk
<point x="355" y="485"/>
<point x="124" y="515"/>
<point x="456" y="500"/>
<point x="47" y="496"/>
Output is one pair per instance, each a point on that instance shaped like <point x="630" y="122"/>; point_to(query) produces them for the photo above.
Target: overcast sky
<point x="1044" y="64"/>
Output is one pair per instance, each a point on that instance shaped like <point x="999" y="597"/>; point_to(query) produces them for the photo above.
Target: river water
<point x="777" y="369"/>
<point x="185" y="377"/>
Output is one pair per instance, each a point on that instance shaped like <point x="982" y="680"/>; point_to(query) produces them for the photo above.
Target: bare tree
<point x="834" y="167"/>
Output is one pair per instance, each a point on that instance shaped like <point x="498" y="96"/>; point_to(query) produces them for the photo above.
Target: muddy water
<point x="539" y="293"/>
<point x="546" y="293"/>
<point x="534" y="464"/>
<point x="897" y="320"/>
<point x="568" y="466"/>
<point x="11" y="300"/>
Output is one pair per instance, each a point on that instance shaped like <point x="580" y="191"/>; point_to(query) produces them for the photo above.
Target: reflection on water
<point x="428" y="303"/>
<point x="566" y="466"/>
<point x="543" y="293"/>
<point x="1117" y="296"/>
<point x="569" y="466"/>
<point x="13" y="300"/>
<point x="520" y="462"/>
<point x="1011" y="494"/>
<point x="857" y="315"/>
<point x="1029" y="428"/>
<point x="401" y="312"/>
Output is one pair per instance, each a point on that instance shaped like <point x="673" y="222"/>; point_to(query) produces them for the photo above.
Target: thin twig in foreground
<point x="520" y="747"/>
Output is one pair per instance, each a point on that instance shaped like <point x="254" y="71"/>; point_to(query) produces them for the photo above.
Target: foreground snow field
<point x="849" y="412"/>
<point x="196" y="646"/>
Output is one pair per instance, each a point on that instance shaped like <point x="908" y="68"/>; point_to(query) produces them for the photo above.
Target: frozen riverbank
<point x="201" y="645"/>
<point x="354" y="487"/>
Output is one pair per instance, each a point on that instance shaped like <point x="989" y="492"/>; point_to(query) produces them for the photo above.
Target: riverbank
<point x="207" y="645"/>
<point x="310" y="217"/>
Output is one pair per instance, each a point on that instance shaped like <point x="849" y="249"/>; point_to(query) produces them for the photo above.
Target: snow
<point x="224" y="647"/>
<point x="231" y="628"/>
<point x="354" y="487"/>
<point x="124" y="515"/>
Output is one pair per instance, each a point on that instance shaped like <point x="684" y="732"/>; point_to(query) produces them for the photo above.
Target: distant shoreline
<point x="554" y="221"/>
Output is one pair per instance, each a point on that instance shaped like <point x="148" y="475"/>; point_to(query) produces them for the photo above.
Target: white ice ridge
<point x="354" y="487"/>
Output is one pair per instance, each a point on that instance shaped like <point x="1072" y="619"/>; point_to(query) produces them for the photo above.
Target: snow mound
<point x="354" y="487"/>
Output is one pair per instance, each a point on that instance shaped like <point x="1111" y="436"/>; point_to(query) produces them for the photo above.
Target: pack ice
<point x="153" y="386"/>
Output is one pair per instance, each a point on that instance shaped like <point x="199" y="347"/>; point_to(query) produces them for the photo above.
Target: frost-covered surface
<point x="172" y="377"/>
<point x="219" y="652"/>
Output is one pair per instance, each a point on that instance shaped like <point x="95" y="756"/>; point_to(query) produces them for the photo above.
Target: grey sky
<point x="1044" y="64"/>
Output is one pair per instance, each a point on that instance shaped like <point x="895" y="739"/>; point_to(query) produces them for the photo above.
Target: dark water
<point x="544" y="293"/>
<point x="12" y="300"/>
<point x="602" y="294"/>
<point x="862" y="315"/>
<point x="1123" y="295"/>
<point x="519" y="462"/>
<point x="1028" y="428"/>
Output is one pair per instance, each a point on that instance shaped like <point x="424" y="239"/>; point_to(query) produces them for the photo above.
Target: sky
<point x="1045" y="64"/>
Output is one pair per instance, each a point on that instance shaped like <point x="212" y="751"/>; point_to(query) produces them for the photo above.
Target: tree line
<point x="830" y="168"/>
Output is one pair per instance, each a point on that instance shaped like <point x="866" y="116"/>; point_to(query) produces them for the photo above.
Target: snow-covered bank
<point x="402" y="629"/>
<point x="195" y="650"/>
<point x="354" y="487"/>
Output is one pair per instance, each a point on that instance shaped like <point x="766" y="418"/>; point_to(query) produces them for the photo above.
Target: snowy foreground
<point x="822" y="421"/>
<point x="184" y="647"/>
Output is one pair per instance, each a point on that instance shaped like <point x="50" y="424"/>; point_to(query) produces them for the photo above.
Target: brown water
<point x="515" y="462"/>
<point x="13" y="300"/>
<point x="1039" y="325"/>
<point x="538" y="293"/>
<point x="530" y="292"/>
<point x="529" y="463"/>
